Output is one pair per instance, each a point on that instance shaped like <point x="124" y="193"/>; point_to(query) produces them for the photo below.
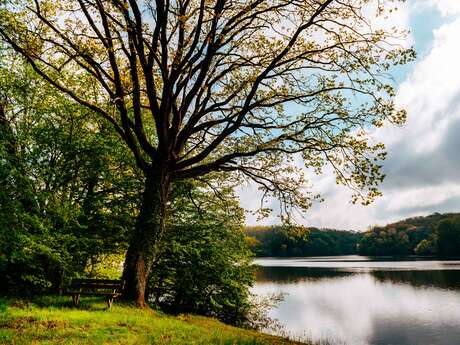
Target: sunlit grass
<point x="53" y="320"/>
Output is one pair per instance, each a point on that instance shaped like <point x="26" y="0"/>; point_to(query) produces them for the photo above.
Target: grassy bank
<point x="53" y="320"/>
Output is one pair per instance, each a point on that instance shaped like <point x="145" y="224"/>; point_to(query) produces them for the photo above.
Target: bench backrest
<point x="97" y="284"/>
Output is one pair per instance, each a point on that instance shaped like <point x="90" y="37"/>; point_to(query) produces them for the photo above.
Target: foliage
<point x="70" y="196"/>
<point x="194" y="88"/>
<point x="425" y="247"/>
<point x="31" y="258"/>
<point x="105" y="266"/>
<point x="28" y="258"/>
<point x="285" y="241"/>
<point x="204" y="266"/>
<point x="59" y="167"/>
<point x="419" y="235"/>
<point x="448" y="236"/>
<point x="52" y="320"/>
<point x="205" y="201"/>
<point x="225" y="89"/>
<point x="436" y="234"/>
<point x="258" y="317"/>
<point x="204" y="270"/>
<point x="390" y="240"/>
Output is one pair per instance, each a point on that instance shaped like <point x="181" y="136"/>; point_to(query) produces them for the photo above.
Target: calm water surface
<point x="359" y="300"/>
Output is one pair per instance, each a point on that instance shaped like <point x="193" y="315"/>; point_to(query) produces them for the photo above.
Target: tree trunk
<point x="143" y="246"/>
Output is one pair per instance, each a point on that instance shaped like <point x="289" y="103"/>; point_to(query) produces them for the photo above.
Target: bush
<point x="31" y="260"/>
<point x="206" y="270"/>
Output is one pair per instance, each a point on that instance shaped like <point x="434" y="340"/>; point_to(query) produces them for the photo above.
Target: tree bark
<point x="143" y="246"/>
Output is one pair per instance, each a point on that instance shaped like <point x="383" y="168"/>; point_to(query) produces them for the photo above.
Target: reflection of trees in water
<point x="296" y="274"/>
<point x="411" y="331"/>
<point x="445" y="279"/>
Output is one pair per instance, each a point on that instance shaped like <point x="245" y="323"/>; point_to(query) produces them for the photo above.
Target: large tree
<point x="236" y="86"/>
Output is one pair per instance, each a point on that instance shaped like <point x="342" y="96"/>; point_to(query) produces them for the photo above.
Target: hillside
<point x="416" y="235"/>
<point x="281" y="241"/>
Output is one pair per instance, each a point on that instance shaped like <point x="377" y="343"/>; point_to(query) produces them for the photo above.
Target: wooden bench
<point x="95" y="287"/>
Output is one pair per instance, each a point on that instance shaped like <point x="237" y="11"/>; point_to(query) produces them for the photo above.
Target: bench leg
<point x="75" y="299"/>
<point x="109" y="301"/>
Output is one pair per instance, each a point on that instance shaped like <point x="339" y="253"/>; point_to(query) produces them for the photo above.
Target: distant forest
<point x="436" y="234"/>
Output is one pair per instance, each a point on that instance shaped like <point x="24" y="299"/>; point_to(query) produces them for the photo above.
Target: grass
<point x="53" y="320"/>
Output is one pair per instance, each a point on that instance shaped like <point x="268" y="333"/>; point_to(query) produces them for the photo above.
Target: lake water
<point x="359" y="300"/>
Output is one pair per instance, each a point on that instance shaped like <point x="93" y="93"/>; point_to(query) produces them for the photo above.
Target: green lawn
<point x="53" y="320"/>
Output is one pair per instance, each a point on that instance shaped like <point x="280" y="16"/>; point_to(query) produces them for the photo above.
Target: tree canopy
<point x="207" y="85"/>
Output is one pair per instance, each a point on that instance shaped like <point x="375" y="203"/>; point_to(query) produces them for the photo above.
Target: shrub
<point x="206" y="270"/>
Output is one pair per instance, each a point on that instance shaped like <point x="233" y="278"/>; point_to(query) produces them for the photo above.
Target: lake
<point x="360" y="300"/>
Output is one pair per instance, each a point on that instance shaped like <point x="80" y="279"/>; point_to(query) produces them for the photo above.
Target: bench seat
<point x="95" y="293"/>
<point x="95" y="287"/>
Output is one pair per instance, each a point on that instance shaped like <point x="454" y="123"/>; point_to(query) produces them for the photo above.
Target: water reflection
<point x="449" y="280"/>
<point x="284" y="275"/>
<point x="358" y="304"/>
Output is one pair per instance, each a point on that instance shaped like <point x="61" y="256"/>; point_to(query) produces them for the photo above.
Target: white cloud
<point x="430" y="95"/>
<point x="445" y="7"/>
<point x="432" y="88"/>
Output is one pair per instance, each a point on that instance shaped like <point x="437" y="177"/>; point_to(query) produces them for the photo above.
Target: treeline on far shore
<point x="436" y="234"/>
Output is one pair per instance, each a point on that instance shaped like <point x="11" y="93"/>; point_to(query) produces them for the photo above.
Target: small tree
<point x="200" y="86"/>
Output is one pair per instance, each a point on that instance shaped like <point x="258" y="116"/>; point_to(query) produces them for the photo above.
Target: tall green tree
<point x="200" y="86"/>
<point x="63" y="199"/>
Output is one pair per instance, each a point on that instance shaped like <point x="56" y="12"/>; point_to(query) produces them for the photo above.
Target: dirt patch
<point x="24" y="322"/>
<point x="51" y="324"/>
<point x="20" y="304"/>
<point x="165" y="338"/>
<point x="130" y="327"/>
<point x="18" y="323"/>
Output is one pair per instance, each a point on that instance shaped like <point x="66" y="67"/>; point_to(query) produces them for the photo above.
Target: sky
<point x="423" y="164"/>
